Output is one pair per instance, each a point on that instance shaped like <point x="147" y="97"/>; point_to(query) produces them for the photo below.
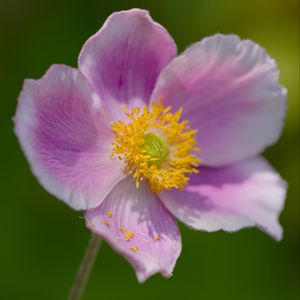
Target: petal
<point x="139" y="227"/>
<point x="229" y="91"/>
<point x="63" y="132"/>
<point x="124" y="58"/>
<point x="230" y="198"/>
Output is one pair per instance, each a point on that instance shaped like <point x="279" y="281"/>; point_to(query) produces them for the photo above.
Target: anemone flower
<point x="137" y="137"/>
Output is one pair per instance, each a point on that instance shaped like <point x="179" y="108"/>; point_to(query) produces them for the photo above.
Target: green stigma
<point x="156" y="148"/>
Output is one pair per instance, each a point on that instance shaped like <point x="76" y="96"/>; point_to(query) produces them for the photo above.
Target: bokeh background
<point x="42" y="240"/>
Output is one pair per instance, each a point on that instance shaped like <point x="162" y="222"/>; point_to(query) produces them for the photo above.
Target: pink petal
<point x="155" y="244"/>
<point x="229" y="91"/>
<point x="230" y="198"/>
<point x="66" y="138"/>
<point x="124" y="58"/>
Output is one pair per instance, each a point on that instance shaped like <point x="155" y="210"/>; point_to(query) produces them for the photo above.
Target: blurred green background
<point x="42" y="240"/>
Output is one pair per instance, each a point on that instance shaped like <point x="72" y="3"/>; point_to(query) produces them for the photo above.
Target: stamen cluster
<point x="130" y="146"/>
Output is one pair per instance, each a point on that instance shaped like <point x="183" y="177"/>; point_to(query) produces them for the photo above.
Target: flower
<point x="119" y="137"/>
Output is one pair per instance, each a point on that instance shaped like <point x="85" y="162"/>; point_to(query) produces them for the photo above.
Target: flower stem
<point x="85" y="268"/>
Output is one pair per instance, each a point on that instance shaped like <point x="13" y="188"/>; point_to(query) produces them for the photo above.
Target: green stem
<point x="85" y="268"/>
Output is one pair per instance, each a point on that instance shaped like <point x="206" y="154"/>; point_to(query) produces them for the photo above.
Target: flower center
<point x="156" y="146"/>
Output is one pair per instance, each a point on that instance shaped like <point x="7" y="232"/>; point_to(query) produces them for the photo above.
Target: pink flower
<point x="134" y="169"/>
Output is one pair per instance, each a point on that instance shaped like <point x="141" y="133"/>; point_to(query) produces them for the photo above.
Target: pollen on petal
<point x="134" y="249"/>
<point x="109" y="213"/>
<point x="106" y="223"/>
<point x="156" y="238"/>
<point x="127" y="234"/>
<point x="122" y="229"/>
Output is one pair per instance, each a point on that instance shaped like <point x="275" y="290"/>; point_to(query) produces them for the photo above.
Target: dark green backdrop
<point x="42" y="240"/>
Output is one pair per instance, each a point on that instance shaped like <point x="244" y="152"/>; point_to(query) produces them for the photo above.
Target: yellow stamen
<point x="109" y="213"/>
<point x="156" y="146"/>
